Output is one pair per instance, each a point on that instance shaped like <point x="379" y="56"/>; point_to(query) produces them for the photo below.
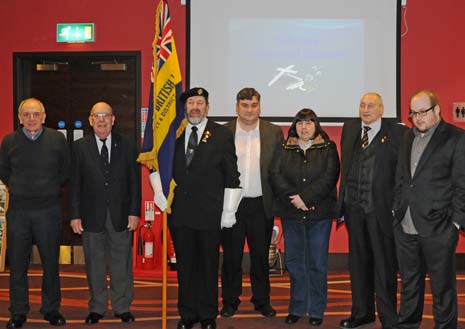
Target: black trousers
<point x="252" y="224"/>
<point x="197" y="258"/>
<point x="434" y="255"/>
<point x="372" y="266"/>
<point x="25" y="227"/>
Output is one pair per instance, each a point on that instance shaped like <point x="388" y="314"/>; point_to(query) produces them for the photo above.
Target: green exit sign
<point x="82" y="32"/>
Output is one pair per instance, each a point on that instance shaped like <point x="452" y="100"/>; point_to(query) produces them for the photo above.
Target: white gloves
<point x="158" y="198"/>
<point x="232" y="198"/>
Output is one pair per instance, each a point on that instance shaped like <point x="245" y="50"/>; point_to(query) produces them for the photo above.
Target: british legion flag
<point x="165" y="118"/>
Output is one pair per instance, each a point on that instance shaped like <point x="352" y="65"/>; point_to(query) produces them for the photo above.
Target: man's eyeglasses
<point x="104" y="116"/>
<point x="421" y="113"/>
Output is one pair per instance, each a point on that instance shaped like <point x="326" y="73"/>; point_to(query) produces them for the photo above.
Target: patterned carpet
<point x="147" y="305"/>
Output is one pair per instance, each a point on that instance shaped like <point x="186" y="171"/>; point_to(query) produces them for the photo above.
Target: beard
<point x="194" y="120"/>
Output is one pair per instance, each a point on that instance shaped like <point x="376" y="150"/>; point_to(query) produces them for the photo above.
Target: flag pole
<point x="164" y="266"/>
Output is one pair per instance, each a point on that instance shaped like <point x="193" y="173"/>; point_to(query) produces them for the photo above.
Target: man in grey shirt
<point x="429" y="207"/>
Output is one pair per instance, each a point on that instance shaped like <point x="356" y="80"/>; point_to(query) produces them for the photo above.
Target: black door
<point x="69" y="84"/>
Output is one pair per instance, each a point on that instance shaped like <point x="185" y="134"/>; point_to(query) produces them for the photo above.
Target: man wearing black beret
<point x="205" y="200"/>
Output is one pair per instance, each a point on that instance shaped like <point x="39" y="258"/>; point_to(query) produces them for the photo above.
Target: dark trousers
<point x="25" y="227"/>
<point x="197" y="258"/>
<point x="434" y="255"/>
<point x="306" y="245"/>
<point x="372" y="266"/>
<point x="252" y="224"/>
<point x="109" y="252"/>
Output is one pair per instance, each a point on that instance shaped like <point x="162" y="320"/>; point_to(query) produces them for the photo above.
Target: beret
<point x="196" y="91"/>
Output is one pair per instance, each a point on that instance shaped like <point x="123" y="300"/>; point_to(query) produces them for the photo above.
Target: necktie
<point x="365" y="137"/>
<point x="191" y="145"/>
<point x="104" y="152"/>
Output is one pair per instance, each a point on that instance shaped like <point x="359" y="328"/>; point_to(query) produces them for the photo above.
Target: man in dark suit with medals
<point x="429" y="208"/>
<point x="206" y="197"/>
<point x="369" y="147"/>
<point x="105" y="208"/>
<point x="256" y="141"/>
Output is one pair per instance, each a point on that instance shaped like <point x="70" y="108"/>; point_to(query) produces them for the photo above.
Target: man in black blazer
<point x="206" y="197"/>
<point x="429" y="208"/>
<point x="105" y="208"/>
<point x="256" y="140"/>
<point x="369" y="147"/>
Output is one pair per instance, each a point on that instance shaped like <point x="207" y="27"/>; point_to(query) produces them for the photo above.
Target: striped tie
<point x="365" y="137"/>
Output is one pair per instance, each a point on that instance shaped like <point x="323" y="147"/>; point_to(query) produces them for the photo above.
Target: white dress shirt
<point x="248" y="160"/>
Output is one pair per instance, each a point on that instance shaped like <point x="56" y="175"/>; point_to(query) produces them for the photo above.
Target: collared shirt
<point x="200" y="129"/>
<point x="375" y="128"/>
<point x="419" y="144"/>
<point x="305" y="146"/>
<point x="248" y="160"/>
<point x="36" y="136"/>
<point x="107" y="143"/>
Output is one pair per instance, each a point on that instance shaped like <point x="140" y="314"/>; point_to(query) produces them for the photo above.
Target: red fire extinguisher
<point x="147" y="242"/>
<point x="171" y="253"/>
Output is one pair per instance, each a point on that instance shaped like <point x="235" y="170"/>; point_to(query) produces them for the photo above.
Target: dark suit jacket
<point x="385" y="166"/>
<point x="436" y="192"/>
<point x="91" y="192"/>
<point x="198" y="196"/>
<point x="271" y="136"/>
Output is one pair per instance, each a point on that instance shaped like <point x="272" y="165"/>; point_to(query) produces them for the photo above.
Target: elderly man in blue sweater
<point x="34" y="163"/>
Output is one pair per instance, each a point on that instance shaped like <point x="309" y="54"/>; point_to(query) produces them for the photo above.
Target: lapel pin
<point x="206" y="136"/>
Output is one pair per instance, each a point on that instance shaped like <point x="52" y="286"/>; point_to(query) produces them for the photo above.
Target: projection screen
<point x="298" y="54"/>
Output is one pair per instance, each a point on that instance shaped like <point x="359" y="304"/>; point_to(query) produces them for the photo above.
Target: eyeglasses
<point x="104" y="116"/>
<point x="421" y="113"/>
<point x="35" y="115"/>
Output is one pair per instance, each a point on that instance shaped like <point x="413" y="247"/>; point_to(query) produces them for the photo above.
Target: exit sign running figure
<point x="82" y="32"/>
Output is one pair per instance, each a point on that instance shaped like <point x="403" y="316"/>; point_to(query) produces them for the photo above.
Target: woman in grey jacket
<point x="304" y="176"/>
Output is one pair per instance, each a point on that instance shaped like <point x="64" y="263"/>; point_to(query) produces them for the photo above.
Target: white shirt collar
<point x="200" y="129"/>
<point x="240" y="130"/>
<point x="107" y="143"/>
<point x="375" y="126"/>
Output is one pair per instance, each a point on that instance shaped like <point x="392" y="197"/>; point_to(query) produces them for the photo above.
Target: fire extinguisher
<point x="171" y="253"/>
<point x="147" y="242"/>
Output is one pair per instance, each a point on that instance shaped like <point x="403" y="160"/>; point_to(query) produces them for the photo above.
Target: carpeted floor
<point x="147" y="305"/>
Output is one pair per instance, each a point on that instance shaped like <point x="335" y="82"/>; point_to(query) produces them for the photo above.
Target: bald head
<point x="101" y="105"/>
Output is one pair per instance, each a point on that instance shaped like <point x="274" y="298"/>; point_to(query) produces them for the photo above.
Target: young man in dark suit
<point x="105" y="208"/>
<point x="206" y="197"/>
<point x="369" y="147"/>
<point x="256" y="140"/>
<point x="429" y="208"/>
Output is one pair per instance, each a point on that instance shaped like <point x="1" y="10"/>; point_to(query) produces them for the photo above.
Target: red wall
<point x="120" y="25"/>
<point x="432" y="50"/>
